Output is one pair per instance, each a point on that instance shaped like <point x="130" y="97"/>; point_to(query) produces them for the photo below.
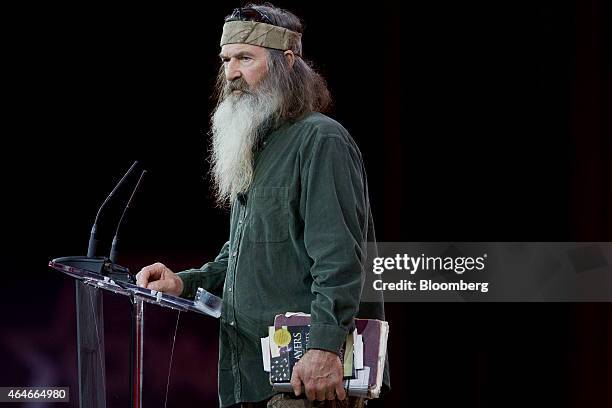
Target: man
<point x="300" y="216"/>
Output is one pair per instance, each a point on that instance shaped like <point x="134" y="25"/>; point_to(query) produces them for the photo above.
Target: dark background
<point x="478" y="121"/>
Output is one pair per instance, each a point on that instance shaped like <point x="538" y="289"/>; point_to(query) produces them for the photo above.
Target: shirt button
<point x="232" y="323"/>
<point x="234" y="253"/>
<point x="230" y="289"/>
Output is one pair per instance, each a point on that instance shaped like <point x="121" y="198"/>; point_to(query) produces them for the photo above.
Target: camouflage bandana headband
<point x="261" y="34"/>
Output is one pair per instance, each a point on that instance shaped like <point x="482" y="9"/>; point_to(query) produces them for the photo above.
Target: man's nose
<point x="231" y="70"/>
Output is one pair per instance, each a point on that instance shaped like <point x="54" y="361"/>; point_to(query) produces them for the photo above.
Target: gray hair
<point x="302" y="90"/>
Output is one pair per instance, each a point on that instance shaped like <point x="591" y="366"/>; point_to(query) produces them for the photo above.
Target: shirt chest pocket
<point x="269" y="221"/>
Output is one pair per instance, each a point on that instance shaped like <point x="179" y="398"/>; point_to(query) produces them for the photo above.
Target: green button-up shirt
<point x="297" y="243"/>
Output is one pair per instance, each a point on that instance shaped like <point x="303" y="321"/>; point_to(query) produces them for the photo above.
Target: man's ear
<point x="290" y="56"/>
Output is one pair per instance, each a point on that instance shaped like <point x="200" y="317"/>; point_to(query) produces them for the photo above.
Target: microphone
<point x="91" y="262"/>
<point x="113" y="251"/>
<point x="93" y="237"/>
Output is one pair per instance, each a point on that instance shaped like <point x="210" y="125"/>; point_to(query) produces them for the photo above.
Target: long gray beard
<point x="237" y="125"/>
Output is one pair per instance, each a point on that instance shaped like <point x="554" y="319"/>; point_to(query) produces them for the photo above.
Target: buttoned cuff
<point x="190" y="283"/>
<point x="326" y="337"/>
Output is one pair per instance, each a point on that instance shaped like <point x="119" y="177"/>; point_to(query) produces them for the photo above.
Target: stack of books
<point x="362" y="355"/>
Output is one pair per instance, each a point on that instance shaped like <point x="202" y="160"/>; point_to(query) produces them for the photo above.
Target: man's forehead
<point x="229" y="50"/>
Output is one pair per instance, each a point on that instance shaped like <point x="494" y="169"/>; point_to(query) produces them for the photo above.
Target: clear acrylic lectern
<point x="87" y="271"/>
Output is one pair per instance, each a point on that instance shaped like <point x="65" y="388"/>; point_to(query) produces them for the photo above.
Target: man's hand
<point x="159" y="277"/>
<point x="321" y="372"/>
